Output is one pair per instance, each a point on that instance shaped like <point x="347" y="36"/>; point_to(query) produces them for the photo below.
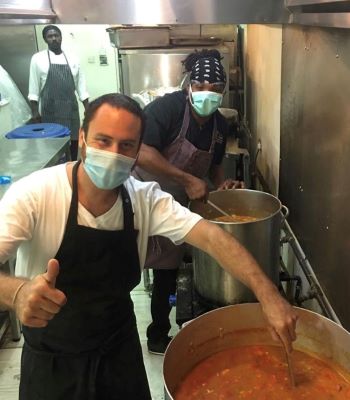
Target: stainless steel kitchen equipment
<point x="170" y="11"/>
<point x="236" y="162"/>
<point x="135" y="37"/>
<point x="23" y="12"/>
<point x="18" y="158"/>
<point x="17" y="45"/>
<point x="244" y="324"/>
<point x="260" y="237"/>
<point x="332" y="13"/>
<point x="148" y="73"/>
<point x="21" y="157"/>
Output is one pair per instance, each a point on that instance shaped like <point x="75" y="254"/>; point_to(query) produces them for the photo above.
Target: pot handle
<point x="284" y="212"/>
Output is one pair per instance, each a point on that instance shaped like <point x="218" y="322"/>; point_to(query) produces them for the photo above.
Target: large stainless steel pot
<point x="260" y="237"/>
<point x="244" y="324"/>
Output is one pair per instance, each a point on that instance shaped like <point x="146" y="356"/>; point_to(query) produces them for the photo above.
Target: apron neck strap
<point x="127" y="210"/>
<point x="185" y="121"/>
<point x="74" y="203"/>
<point x="214" y="135"/>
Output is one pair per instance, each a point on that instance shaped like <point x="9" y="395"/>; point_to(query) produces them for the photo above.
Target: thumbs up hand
<point x="38" y="301"/>
<point x="53" y="269"/>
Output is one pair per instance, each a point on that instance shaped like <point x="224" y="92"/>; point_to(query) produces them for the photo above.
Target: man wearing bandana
<point x="184" y="143"/>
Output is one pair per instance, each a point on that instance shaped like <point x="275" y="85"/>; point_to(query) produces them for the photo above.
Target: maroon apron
<point x="162" y="253"/>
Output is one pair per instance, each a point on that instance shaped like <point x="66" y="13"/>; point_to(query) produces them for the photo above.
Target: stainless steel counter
<point x="18" y="158"/>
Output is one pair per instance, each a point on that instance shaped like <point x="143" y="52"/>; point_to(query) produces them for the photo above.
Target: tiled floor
<point x="10" y="353"/>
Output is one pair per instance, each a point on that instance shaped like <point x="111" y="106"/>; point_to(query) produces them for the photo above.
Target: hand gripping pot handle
<point x="284" y="212"/>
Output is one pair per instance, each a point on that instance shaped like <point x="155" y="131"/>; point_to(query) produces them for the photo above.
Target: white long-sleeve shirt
<point x="34" y="213"/>
<point x="39" y="68"/>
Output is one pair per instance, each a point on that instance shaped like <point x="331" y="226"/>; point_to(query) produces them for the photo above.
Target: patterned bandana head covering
<point x="208" y="70"/>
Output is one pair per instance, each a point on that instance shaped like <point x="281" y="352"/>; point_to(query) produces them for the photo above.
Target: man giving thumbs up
<point x="81" y="232"/>
<point x="37" y="301"/>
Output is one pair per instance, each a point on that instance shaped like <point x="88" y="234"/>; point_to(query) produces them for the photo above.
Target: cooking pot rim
<point x="255" y="305"/>
<point x="245" y="222"/>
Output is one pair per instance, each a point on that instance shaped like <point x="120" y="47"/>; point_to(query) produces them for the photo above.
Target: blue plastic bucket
<point x="37" y="131"/>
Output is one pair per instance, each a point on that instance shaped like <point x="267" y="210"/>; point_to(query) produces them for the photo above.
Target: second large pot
<point x="260" y="237"/>
<point x="242" y="325"/>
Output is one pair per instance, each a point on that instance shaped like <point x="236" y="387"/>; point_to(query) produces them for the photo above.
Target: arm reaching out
<point x="35" y="301"/>
<point x="236" y="260"/>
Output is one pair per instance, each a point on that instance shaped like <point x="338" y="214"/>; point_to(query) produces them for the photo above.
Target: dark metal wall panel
<point x="170" y="11"/>
<point x="315" y="153"/>
<point x="331" y="20"/>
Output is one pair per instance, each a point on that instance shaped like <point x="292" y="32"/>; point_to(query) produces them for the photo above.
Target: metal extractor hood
<point x="170" y="12"/>
<point x="175" y="12"/>
<point x="24" y="11"/>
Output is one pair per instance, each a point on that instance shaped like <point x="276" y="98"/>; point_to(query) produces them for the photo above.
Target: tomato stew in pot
<point x="259" y="372"/>
<point x="235" y="218"/>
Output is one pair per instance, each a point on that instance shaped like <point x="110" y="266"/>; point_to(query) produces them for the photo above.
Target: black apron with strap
<point x="58" y="102"/>
<point x="90" y="350"/>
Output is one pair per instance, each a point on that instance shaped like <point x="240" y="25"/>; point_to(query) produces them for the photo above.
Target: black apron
<point x="91" y="349"/>
<point x="58" y="102"/>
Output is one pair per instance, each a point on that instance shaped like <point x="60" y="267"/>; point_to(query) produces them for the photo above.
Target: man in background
<point x="54" y="78"/>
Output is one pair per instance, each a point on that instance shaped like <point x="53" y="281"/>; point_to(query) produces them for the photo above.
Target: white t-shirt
<point x="39" y="68"/>
<point x="34" y="212"/>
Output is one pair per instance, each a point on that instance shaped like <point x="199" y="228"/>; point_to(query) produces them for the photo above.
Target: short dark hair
<point x="116" y="100"/>
<point x="49" y="28"/>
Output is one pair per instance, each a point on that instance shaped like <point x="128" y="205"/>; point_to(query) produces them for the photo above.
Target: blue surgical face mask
<point x="205" y="102"/>
<point x="106" y="169"/>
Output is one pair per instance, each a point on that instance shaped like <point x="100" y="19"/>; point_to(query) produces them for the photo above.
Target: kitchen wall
<point x="89" y="42"/>
<point x="263" y="57"/>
